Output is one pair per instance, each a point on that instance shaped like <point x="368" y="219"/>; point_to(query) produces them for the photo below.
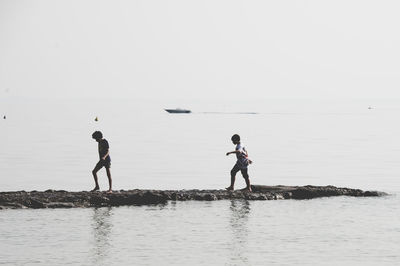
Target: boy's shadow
<point x="239" y="217"/>
<point x="102" y="226"/>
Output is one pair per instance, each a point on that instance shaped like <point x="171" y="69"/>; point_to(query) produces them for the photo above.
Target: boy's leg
<point x="234" y="170"/>
<point x="109" y="179"/>
<point x="246" y="178"/>
<point x="94" y="172"/>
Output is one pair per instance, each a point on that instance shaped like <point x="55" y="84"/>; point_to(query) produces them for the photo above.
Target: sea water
<point x="47" y="144"/>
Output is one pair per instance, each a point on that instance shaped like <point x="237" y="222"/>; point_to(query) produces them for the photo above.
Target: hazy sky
<point x="200" y="49"/>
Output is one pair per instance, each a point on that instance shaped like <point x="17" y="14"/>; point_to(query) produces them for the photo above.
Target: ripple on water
<point x="328" y="231"/>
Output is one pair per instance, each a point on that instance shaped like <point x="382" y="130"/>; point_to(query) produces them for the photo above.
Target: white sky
<point x="200" y="48"/>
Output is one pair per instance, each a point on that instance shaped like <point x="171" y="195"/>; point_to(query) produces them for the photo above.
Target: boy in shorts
<point x="105" y="160"/>
<point x="241" y="164"/>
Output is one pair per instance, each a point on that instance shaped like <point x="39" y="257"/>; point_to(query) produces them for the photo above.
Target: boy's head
<point x="97" y="135"/>
<point x="235" y="139"/>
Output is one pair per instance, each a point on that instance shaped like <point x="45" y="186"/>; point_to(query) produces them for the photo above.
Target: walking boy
<point x="241" y="163"/>
<point x="105" y="160"/>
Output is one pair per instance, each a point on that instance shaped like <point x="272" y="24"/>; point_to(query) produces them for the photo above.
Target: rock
<point x="11" y="205"/>
<point x="54" y="205"/>
<point x="287" y="195"/>
<point x="205" y="196"/>
<point x="34" y="203"/>
<point x="98" y="201"/>
<point x="152" y="198"/>
<point x="64" y="199"/>
<point x="279" y="196"/>
<point x="374" y="194"/>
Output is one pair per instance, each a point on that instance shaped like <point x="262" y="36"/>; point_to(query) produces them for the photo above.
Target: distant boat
<point x="178" y="111"/>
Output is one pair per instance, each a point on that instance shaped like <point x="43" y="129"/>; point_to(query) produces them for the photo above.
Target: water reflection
<point x="239" y="217"/>
<point x="102" y="226"/>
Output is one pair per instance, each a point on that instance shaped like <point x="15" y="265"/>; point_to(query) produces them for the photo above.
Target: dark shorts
<point x="103" y="163"/>
<point x="237" y="168"/>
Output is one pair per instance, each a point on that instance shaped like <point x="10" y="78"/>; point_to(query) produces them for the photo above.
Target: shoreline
<point x="86" y="199"/>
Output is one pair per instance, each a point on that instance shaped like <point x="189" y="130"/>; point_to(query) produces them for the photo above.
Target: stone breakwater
<point x="65" y="199"/>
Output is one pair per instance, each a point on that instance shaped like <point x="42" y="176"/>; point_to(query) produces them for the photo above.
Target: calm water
<point x="47" y="144"/>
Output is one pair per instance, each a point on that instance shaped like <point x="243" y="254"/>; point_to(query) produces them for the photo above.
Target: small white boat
<point x="178" y="111"/>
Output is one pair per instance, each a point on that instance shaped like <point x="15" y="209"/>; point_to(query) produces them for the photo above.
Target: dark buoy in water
<point x="96" y="119"/>
<point x="4" y="117"/>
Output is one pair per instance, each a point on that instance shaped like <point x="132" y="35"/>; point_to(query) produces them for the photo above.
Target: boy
<point x="241" y="163"/>
<point x="105" y="160"/>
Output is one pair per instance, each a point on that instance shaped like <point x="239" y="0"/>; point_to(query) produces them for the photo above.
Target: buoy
<point x="4" y="117"/>
<point x="96" y="119"/>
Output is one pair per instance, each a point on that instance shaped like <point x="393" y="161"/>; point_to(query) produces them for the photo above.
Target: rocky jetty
<point x="65" y="199"/>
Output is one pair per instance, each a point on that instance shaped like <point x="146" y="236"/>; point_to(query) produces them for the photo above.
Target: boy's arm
<point x="105" y="155"/>
<point x="231" y="152"/>
<point x="247" y="155"/>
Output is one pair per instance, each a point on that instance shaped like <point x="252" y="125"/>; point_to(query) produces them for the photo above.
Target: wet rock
<point x="255" y="196"/>
<point x="374" y="194"/>
<point x="54" y="205"/>
<point x="278" y="196"/>
<point x="205" y="196"/>
<point x="202" y="196"/>
<point x="10" y="205"/>
<point x="287" y="195"/>
<point x="34" y="203"/>
<point x="64" y="199"/>
<point x="99" y="201"/>
<point x="152" y="198"/>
